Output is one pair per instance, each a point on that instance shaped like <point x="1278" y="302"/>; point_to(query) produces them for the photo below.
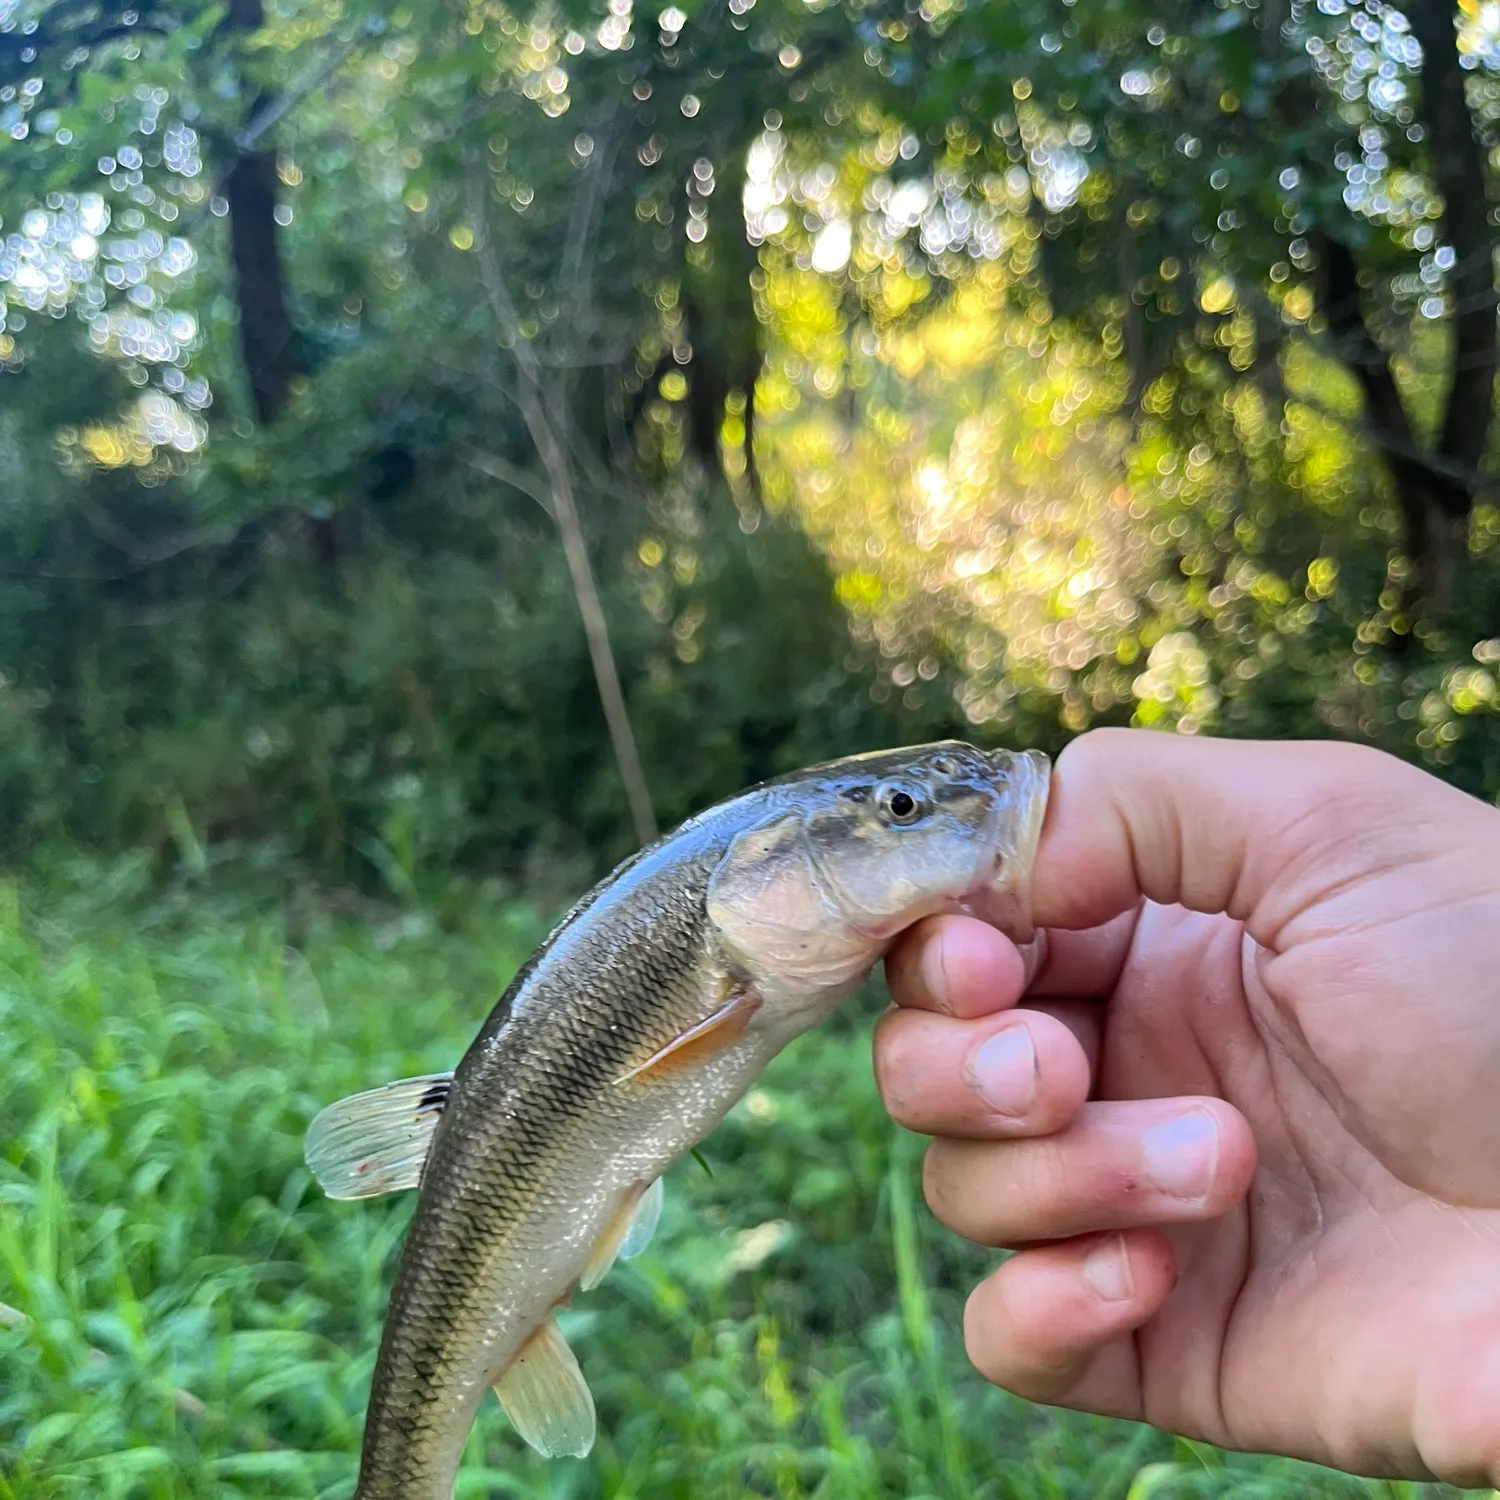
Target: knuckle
<point x="1094" y="748"/>
<point x="1042" y="1180"/>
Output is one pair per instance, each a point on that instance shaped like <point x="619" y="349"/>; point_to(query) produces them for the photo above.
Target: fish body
<point x="640" y="1021"/>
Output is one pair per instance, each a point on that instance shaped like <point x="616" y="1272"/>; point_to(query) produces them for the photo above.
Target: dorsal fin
<point x="376" y="1142"/>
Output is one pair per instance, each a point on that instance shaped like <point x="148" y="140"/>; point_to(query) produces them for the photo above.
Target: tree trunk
<point x="544" y="411"/>
<point x="268" y="341"/>
<point x="1436" y="489"/>
<point x="1458" y="169"/>
<point x="1434" y="492"/>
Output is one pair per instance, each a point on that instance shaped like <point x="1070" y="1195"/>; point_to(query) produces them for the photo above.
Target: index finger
<point x="956" y="966"/>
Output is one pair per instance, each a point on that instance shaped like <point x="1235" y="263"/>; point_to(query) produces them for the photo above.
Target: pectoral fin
<point x="628" y="1233"/>
<point x="376" y="1142"/>
<point x="546" y="1397"/>
<point x="705" y="1040"/>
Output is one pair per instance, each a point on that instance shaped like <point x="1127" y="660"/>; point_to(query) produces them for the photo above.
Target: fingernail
<point x="1179" y="1157"/>
<point x="935" y="974"/>
<point x="1106" y="1268"/>
<point x="1003" y="1071"/>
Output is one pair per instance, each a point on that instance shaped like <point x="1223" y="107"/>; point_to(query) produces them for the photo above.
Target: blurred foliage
<point x="918" y="366"/>
<point x="994" y="369"/>
<point x="185" y="1315"/>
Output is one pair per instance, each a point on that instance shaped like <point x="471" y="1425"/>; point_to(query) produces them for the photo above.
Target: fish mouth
<point x="1002" y="897"/>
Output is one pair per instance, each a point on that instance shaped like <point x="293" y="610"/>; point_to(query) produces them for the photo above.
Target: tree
<point x="277" y="282"/>
<point x="1333" y="164"/>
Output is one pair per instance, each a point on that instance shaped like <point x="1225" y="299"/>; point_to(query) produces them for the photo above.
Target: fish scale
<point x="644" y="1016"/>
<point x="492" y="1151"/>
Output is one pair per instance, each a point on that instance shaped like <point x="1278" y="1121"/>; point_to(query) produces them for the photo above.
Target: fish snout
<point x="1003" y="896"/>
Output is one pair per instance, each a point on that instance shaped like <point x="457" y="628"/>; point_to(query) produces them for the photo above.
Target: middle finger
<point x="1119" y="1165"/>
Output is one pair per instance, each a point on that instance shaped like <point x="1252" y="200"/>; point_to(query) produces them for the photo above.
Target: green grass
<point x="199" y="1321"/>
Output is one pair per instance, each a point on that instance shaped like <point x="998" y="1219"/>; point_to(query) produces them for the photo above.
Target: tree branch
<point x="548" y="435"/>
<point x="143" y="554"/>
<point x="1434" y="498"/>
<point x="577" y="275"/>
<point x="73" y="27"/>
<point x="272" y="111"/>
<point x="1340" y="305"/>
<point x="507" y="473"/>
<point x="1444" y="481"/>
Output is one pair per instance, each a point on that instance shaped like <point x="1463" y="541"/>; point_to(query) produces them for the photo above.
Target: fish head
<point x="845" y="856"/>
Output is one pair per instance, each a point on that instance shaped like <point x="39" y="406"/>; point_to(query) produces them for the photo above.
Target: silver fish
<point x="635" y="1027"/>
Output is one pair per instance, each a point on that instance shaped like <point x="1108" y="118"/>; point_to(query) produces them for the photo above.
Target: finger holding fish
<point x="955" y="966"/>
<point x="961" y="1054"/>
<point x="1056" y="1323"/>
<point x="1019" y="1073"/>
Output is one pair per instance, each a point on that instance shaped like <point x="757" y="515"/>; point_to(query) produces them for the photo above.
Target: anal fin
<point x="544" y="1394"/>
<point x="707" y="1039"/>
<point x="376" y="1142"/>
<point x="628" y="1232"/>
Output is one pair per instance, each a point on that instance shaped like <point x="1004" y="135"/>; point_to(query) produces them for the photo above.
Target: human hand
<point x="1243" y="1125"/>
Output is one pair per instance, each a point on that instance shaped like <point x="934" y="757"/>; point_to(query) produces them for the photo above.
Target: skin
<point x="1242" y="1123"/>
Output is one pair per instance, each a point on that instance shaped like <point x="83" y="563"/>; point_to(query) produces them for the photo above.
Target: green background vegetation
<point x="202" y="1322"/>
<point x="900" y="369"/>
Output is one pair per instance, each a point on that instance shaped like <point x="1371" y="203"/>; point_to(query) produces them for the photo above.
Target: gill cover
<point x="767" y="905"/>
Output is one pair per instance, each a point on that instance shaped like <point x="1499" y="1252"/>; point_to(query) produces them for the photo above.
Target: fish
<point x="643" y="1017"/>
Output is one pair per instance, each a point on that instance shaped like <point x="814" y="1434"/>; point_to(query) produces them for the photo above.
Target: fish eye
<point x="900" y="804"/>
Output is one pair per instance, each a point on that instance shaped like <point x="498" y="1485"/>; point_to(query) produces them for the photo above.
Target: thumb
<point x="1261" y="831"/>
